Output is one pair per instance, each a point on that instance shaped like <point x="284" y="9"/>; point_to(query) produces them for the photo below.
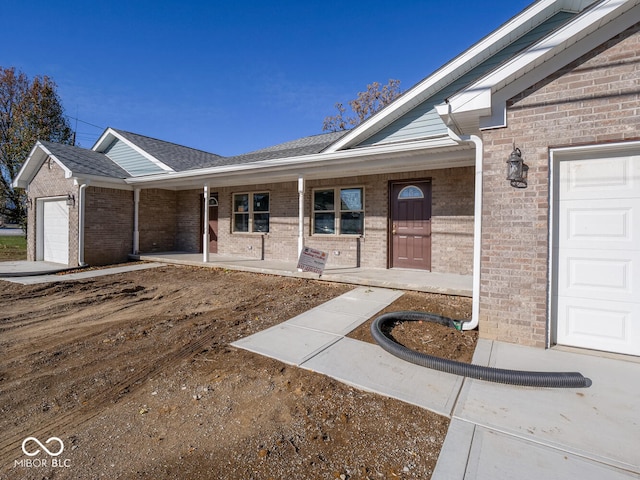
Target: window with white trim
<point x="338" y="211"/>
<point x="251" y="212"/>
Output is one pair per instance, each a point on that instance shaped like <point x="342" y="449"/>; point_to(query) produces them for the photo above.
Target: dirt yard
<point x="135" y="375"/>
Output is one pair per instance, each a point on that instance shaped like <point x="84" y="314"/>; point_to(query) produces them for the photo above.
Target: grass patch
<point x="13" y="248"/>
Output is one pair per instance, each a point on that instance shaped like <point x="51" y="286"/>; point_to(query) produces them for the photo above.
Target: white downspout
<point x="205" y="233"/>
<point x="477" y="226"/>
<point x="300" y="214"/>
<point x="136" y="224"/>
<point x="81" y="201"/>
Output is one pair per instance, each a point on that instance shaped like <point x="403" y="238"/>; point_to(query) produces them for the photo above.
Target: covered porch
<point x="401" y="279"/>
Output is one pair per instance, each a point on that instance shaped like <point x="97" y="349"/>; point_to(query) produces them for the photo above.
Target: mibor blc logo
<point x="53" y="447"/>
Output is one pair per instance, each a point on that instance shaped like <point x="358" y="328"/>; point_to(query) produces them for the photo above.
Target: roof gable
<point x="75" y="161"/>
<point x="482" y="104"/>
<point x="424" y="121"/>
<point x="524" y="27"/>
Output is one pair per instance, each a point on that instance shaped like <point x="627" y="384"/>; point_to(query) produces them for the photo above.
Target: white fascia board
<point x="489" y="45"/>
<point x="104" y="182"/>
<point x="475" y="97"/>
<point x="296" y="165"/>
<point x="26" y="173"/>
<point x="39" y="154"/>
<point x="105" y="140"/>
<point x="591" y="40"/>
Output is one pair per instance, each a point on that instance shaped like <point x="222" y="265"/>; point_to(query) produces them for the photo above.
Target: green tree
<point x="374" y="99"/>
<point x="29" y="111"/>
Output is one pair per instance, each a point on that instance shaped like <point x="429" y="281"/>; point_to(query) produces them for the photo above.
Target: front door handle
<point x="393" y="231"/>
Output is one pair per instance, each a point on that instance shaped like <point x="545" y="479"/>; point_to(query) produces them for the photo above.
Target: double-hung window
<point x="338" y="211"/>
<point x="251" y="212"/>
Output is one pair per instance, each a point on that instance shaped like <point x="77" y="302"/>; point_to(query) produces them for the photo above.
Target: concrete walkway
<point x="497" y="431"/>
<point x="32" y="273"/>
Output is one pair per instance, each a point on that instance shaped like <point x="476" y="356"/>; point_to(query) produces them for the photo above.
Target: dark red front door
<point x="411" y="225"/>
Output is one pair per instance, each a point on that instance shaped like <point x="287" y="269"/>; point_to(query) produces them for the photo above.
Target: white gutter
<point x="81" y="202"/>
<point x="477" y="226"/>
<point x="300" y="214"/>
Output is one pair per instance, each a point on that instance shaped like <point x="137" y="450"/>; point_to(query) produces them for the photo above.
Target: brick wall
<point x="157" y="220"/>
<point x="452" y="221"/>
<point x="50" y="182"/>
<point x="189" y="221"/>
<point x="108" y="232"/>
<point x="593" y="100"/>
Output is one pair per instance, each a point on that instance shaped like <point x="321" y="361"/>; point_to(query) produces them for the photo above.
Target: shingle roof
<point x="302" y="146"/>
<point x="175" y="156"/>
<point x="88" y="162"/>
<point x="85" y="162"/>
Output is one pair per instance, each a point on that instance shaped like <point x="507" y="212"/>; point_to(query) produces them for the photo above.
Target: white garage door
<point x="55" y="231"/>
<point x="598" y="242"/>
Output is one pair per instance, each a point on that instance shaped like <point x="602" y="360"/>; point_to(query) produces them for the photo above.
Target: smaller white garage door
<point x="55" y="231"/>
<point x="598" y="253"/>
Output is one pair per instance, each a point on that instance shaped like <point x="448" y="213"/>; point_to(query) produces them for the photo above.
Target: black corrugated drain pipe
<point x="498" y="375"/>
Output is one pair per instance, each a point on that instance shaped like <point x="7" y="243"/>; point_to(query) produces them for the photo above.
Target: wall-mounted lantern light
<point x="516" y="169"/>
<point x="71" y="200"/>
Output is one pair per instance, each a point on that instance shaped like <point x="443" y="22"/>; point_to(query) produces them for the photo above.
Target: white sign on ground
<point x="312" y="260"/>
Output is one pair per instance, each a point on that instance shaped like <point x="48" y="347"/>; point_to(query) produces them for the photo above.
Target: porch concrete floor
<point x="402" y="279"/>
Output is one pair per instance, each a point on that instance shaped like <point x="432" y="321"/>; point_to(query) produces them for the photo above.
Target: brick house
<point x="420" y="185"/>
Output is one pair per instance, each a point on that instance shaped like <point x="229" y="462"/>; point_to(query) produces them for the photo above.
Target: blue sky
<point x="232" y="77"/>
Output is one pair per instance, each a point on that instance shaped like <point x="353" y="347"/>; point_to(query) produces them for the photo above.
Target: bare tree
<point x="374" y="99"/>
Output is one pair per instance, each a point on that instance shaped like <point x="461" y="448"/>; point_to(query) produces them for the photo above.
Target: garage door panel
<point x="586" y="273"/>
<point x="614" y="177"/>
<point x="598" y="254"/>
<point x="609" y="224"/>
<point x="599" y="325"/>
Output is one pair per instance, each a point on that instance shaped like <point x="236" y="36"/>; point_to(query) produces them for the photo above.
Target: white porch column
<point x="300" y="214"/>
<point x="205" y="227"/>
<point x="136" y="225"/>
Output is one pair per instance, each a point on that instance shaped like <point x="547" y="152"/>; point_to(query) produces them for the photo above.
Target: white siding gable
<point x="133" y="161"/>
